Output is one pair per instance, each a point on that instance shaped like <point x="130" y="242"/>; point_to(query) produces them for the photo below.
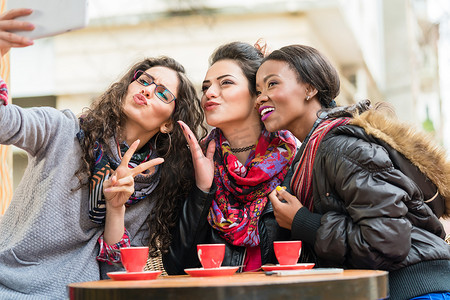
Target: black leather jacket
<point x="370" y="215"/>
<point x="193" y="228"/>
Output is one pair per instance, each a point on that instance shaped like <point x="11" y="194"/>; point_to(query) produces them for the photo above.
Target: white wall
<point x="79" y="65"/>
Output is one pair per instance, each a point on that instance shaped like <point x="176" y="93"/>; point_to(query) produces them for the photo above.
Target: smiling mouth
<point x="266" y="112"/>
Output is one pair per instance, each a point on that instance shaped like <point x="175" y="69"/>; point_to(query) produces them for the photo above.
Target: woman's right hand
<point x="203" y="164"/>
<point x="7" y="24"/>
<point x="285" y="207"/>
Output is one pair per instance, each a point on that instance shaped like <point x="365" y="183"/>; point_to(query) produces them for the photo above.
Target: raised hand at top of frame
<point x="8" y="24"/>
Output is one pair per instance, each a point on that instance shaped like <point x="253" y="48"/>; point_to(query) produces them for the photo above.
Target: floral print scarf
<point x="242" y="190"/>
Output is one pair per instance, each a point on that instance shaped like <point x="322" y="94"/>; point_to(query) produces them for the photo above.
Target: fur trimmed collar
<point x="416" y="146"/>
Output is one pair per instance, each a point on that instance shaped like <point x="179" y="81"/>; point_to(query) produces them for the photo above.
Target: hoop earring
<point x="170" y="142"/>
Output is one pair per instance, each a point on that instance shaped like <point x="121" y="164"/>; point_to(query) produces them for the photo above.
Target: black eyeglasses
<point x="161" y="91"/>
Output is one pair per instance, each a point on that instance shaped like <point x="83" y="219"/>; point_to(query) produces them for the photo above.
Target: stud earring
<point x="307" y="98"/>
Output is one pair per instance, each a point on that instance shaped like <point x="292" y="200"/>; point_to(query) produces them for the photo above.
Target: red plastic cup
<point x="211" y="255"/>
<point x="287" y="252"/>
<point x="134" y="258"/>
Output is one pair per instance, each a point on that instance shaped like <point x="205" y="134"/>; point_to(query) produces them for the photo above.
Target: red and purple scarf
<point x="242" y="190"/>
<point x="105" y="164"/>
<point x="301" y="182"/>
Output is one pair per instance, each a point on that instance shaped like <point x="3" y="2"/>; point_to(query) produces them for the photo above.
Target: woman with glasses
<point x="242" y="164"/>
<point x="93" y="170"/>
<point x="143" y="107"/>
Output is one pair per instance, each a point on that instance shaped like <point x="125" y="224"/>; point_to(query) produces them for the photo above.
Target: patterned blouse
<point x="111" y="253"/>
<point x="3" y="92"/>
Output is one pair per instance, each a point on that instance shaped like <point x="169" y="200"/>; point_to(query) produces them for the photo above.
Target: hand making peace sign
<point x="120" y="186"/>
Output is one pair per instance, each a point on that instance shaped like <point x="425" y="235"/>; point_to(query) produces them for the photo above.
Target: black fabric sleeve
<point x="364" y="223"/>
<point x="305" y="226"/>
<point x="192" y="229"/>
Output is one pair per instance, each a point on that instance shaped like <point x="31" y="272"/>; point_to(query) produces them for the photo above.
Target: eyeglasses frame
<point x="142" y="72"/>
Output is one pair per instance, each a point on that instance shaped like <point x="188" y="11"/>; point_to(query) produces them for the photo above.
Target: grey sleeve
<point x="33" y="129"/>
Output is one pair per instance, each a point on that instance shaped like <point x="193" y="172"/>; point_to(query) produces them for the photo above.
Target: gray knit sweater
<point x="46" y="237"/>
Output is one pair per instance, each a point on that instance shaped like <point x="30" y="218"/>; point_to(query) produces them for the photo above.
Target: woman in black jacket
<point x="350" y="198"/>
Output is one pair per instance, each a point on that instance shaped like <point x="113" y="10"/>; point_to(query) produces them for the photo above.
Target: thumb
<point x="282" y="194"/>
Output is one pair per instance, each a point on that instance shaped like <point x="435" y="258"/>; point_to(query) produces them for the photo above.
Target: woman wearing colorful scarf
<point x="142" y="106"/>
<point x="47" y="235"/>
<point x="360" y="180"/>
<point x="242" y="164"/>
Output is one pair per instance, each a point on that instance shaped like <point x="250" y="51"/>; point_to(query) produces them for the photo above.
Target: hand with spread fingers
<point x="8" y="24"/>
<point x="203" y="164"/>
<point x="285" y="206"/>
<point x="117" y="190"/>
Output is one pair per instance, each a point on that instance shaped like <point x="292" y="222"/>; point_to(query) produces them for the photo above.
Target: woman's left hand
<point x="120" y="186"/>
<point x="285" y="206"/>
<point x="203" y="164"/>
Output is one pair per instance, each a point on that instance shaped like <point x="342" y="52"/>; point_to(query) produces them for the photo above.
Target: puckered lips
<point x="210" y="105"/>
<point x="140" y="99"/>
<point x="265" y="112"/>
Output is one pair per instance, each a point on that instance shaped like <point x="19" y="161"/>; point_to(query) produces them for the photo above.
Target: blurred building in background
<point x="384" y="50"/>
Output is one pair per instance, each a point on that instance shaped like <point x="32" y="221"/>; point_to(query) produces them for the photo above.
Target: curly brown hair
<point x="105" y="119"/>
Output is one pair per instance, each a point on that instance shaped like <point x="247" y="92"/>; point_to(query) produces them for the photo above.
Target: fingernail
<point x="279" y="188"/>
<point x="107" y="190"/>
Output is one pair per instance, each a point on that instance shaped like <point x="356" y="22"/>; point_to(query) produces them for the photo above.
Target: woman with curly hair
<point x="140" y="106"/>
<point x="49" y="233"/>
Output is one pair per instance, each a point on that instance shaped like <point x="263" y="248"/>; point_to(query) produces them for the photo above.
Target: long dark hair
<point x="105" y="119"/>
